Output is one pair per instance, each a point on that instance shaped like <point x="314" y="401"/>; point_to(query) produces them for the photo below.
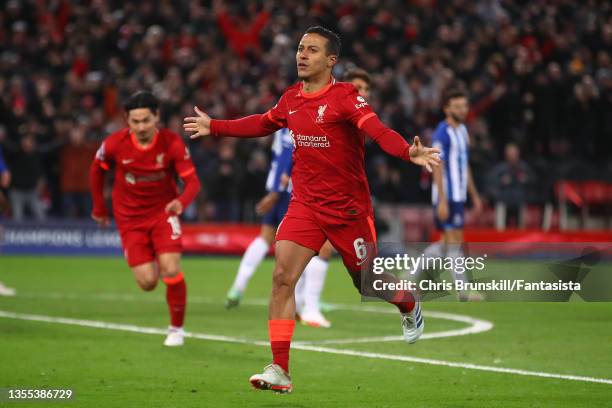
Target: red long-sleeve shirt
<point x="144" y="176"/>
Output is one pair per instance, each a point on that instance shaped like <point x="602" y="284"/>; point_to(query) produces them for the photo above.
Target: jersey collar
<point x="319" y="92"/>
<point x="138" y="146"/>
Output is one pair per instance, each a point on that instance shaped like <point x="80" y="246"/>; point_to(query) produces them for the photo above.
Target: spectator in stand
<point x="27" y="180"/>
<point x="243" y="27"/>
<point x="226" y="185"/>
<point x="75" y="156"/>
<point x="509" y="181"/>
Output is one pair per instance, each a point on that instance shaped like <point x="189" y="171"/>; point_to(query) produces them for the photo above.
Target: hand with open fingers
<point x="174" y="207"/>
<point x="102" y="220"/>
<point x="197" y="125"/>
<point x="424" y="156"/>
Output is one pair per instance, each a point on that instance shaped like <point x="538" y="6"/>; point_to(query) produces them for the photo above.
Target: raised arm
<point x="251" y="126"/>
<point x="395" y="145"/>
<point x="359" y="113"/>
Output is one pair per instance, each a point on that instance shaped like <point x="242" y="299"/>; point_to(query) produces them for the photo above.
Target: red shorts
<point x="353" y="238"/>
<point x="143" y="241"/>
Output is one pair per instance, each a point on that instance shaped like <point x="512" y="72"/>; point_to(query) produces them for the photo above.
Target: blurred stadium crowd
<point x="539" y="75"/>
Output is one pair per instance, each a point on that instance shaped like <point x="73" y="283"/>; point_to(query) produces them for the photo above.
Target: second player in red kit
<point x="146" y="203"/>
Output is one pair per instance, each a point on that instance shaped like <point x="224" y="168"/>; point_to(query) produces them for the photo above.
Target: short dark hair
<point x="141" y="99"/>
<point x="358" y="73"/>
<point x="333" y="40"/>
<point x="452" y="93"/>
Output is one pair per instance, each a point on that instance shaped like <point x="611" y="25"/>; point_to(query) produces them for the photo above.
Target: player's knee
<point x="282" y="280"/>
<point x="147" y="284"/>
<point x="169" y="270"/>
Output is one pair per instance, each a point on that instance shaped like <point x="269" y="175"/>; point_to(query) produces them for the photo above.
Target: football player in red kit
<point x="146" y="203"/>
<point x="331" y="198"/>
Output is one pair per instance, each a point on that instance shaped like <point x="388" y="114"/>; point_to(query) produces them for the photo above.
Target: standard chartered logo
<point x="309" y="141"/>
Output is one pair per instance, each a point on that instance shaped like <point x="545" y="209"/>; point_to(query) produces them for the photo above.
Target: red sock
<point x="281" y="332"/>
<point x="176" y="296"/>
<point x="404" y="301"/>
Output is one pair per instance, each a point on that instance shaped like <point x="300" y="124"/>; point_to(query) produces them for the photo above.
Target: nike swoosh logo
<point x="127" y="161"/>
<point x="361" y="263"/>
<point x="292" y="112"/>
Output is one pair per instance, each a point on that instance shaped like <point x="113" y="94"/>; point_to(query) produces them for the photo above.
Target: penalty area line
<point x="304" y="347"/>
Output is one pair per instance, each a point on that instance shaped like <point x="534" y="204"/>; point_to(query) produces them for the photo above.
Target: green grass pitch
<point x="114" y="368"/>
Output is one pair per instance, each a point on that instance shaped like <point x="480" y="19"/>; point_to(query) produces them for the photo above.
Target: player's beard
<point x="458" y="119"/>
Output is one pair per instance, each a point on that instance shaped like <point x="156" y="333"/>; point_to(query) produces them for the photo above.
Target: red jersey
<point x="328" y="157"/>
<point x="145" y="176"/>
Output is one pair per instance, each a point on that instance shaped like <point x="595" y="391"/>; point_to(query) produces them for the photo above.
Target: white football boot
<point x="314" y="318"/>
<point x="273" y="378"/>
<point x="413" y="323"/>
<point x="175" y="338"/>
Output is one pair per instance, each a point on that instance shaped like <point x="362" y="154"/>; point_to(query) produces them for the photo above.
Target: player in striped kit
<point x="452" y="180"/>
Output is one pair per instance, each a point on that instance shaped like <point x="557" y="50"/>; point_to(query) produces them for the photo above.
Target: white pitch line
<point x="453" y="364"/>
<point x="474" y="325"/>
<point x="346" y="352"/>
<point x="123" y="327"/>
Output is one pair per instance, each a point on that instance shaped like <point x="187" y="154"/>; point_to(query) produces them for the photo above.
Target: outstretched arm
<point x="251" y="126"/>
<point x="392" y="143"/>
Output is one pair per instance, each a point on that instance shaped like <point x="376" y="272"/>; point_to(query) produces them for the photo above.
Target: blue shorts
<point x="276" y="214"/>
<point x="455" y="218"/>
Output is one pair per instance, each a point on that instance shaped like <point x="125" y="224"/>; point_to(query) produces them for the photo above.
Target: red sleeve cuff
<point x="407" y="154"/>
<point x="213" y="127"/>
